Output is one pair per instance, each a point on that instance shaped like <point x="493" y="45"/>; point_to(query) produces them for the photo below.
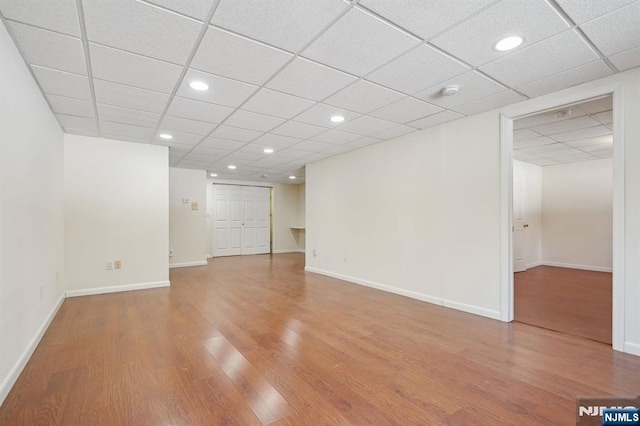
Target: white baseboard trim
<point x="533" y="265"/>
<point x="188" y="264"/>
<point x="288" y="251"/>
<point x="13" y="375"/>
<point x="572" y="266"/>
<point x="412" y="294"/>
<point x="631" y="348"/>
<point x="116" y="289"/>
<point x="483" y="312"/>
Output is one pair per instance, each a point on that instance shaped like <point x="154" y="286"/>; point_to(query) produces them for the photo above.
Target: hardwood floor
<point x="567" y="300"/>
<point x="256" y="340"/>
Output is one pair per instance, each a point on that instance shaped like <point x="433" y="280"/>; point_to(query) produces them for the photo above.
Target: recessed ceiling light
<point x="213" y="175"/>
<point x="165" y="136"/>
<point x="292" y="177"/>
<point x="200" y="86"/>
<point x="231" y="167"/>
<point x="268" y="150"/>
<point x="337" y="119"/>
<point x="508" y="43"/>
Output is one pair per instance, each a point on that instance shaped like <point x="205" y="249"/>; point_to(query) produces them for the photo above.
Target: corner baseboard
<point x="188" y="264"/>
<point x="288" y="251"/>
<point x="631" y="348"/>
<point x="483" y="312"/>
<point x="573" y="266"/>
<point x="14" y="373"/>
<point x="534" y="264"/>
<point x="116" y="289"/>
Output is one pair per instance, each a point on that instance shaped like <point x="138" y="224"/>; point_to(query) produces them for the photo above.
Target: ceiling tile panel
<point x="198" y="110"/>
<point x="141" y="28"/>
<point x="126" y="130"/>
<point x="60" y="16"/>
<point x="253" y="121"/>
<point x="597" y="141"/>
<point x="605" y="117"/>
<point x="71" y="106"/>
<point x="276" y="104"/>
<point x="366" y="125"/>
<point x="320" y="115"/>
<point x="363" y="97"/>
<point x="223" y="91"/>
<point x="590" y="132"/>
<point x="559" y="53"/>
<point x="178" y="138"/>
<point x="359" y="43"/>
<point x="626" y="60"/>
<point x="298" y="130"/>
<point x="127" y="68"/>
<point x="49" y="49"/>
<point x="174" y="148"/>
<point x="616" y="32"/>
<point x="562" y="80"/>
<point x="473" y="40"/>
<point x="566" y="125"/>
<point x="393" y="132"/>
<point x="405" y="110"/>
<point x="518" y="135"/>
<point x="490" y="102"/>
<point x="425" y="18"/>
<point x="529" y="143"/>
<point x="581" y="11"/>
<point x="313" y="146"/>
<point x="79" y="123"/>
<point x="417" y="69"/>
<point x="310" y="80"/>
<point x="471" y="85"/>
<point x="277" y="141"/>
<point x="222" y="143"/>
<point x="235" y="134"/>
<point x="366" y="141"/>
<point x="129" y="97"/>
<point x="288" y="24"/>
<point x="62" y="83"/>
<point x="435" y="119"/>
<point x="123" y="138"/>
<point x="127" y="116"/>
<point x="237" y="57"/>
<point x="195" y="9"/>
<point x="185" y="125"/>
<point x="336" y="137"/>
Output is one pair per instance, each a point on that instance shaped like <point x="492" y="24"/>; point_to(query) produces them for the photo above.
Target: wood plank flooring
<point x="568" y="300"/>
<point x="256" y="340"/>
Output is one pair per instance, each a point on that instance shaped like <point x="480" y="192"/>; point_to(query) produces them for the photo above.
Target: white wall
<point x="301" y="235"/>
<point x="285" y="215"/>
<point x="577" y="214"/>
<point x="31" y="214"/>
<point x="116" y="207"/>
<point x="420" y="214"/>
<point x="532" y="176"/>
<point x="188" y="237"/>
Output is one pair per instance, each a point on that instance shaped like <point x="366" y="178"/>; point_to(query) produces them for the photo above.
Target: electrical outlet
<point x="109" y="265"/>
<point x="118" y="264"/>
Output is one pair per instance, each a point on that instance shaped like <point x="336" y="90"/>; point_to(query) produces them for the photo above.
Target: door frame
<point x="534" y="106"/>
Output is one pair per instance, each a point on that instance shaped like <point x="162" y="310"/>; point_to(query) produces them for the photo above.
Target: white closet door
<point x="227" y="220"/>
<point x="242" y="220"/>
<point x="257" y="221"/>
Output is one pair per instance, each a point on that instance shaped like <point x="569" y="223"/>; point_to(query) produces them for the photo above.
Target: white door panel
<point x="519" y="225"/>
<point x="242" y="220"/>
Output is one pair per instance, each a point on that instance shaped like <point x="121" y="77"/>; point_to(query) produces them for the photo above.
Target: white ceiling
<point x="278" y="70"/>
<point x="570" y="134"/>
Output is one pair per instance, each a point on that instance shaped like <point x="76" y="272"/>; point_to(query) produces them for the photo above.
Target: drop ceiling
<point x="278" y="70"/>
<point x="570" y="134"/>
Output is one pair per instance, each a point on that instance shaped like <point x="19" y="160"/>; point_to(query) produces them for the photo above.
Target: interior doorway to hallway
<point x="562" y="219"/>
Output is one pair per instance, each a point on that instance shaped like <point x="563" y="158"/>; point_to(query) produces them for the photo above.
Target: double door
<point x="241" y="220"/>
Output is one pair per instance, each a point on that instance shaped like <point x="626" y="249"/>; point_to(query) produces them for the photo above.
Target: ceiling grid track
<point x="87" y="57"/>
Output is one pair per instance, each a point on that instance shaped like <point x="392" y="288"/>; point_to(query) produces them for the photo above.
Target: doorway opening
<point x="552" y="104"/>
<point x="562" y="219"/>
